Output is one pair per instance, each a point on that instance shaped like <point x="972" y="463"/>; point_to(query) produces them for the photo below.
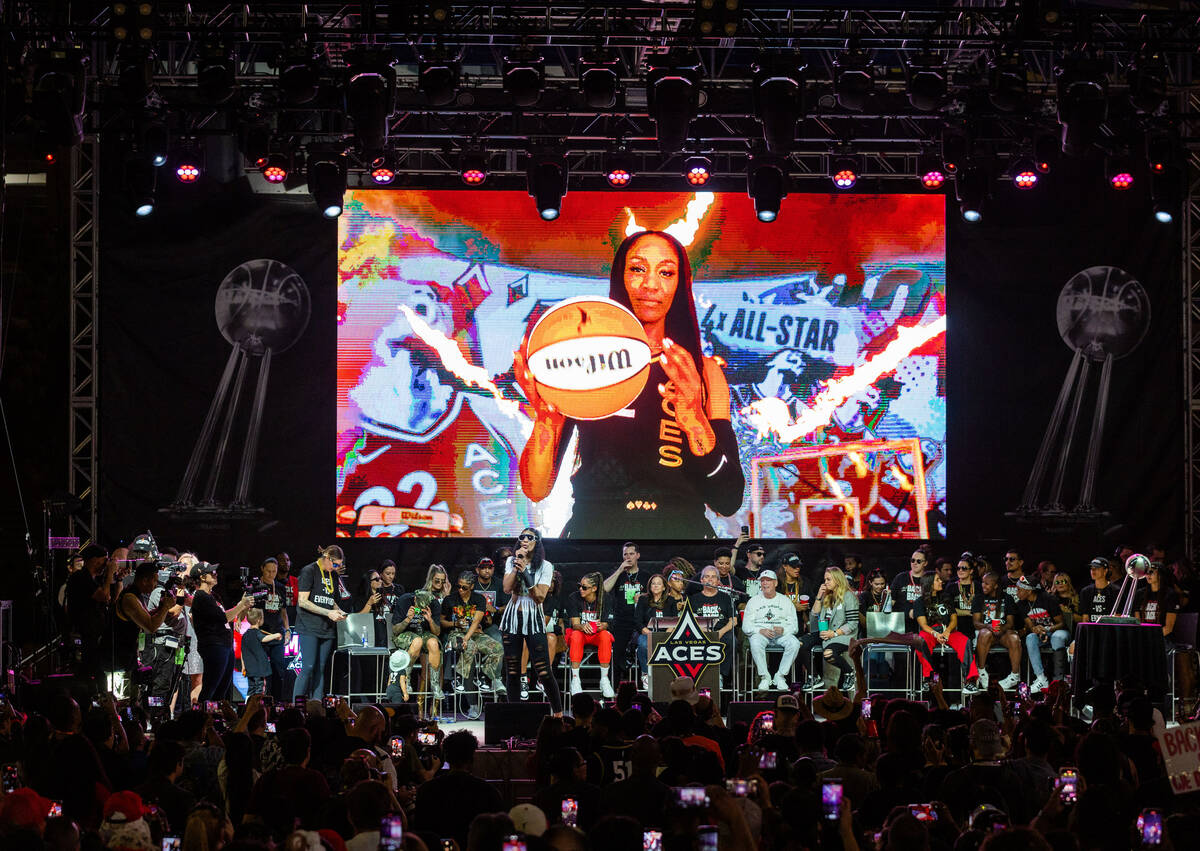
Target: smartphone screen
<point x="739" y="787"/>
<point x="172" y="843"/>
<point x="11" y="778"/>
<point x="691" y="797"/>
<point x="331" y="701"/>
<point x="652" y="840"/>
<point x="1150" y="827"/>
<point x="706" y="836"/>
<point x="570" y="811"/>
<point x="768" y="721"/>
<point x="155" y="701"/>
<point x="1068" y="786"/>
<point x="396" y="746"/>
<point x="55" y="810"/>
<point x="210" y="706"/>
<point x="923" y="812"/>
<point x="767" y="760"/>
<point x="300" y="701"/>
<point x="513" y="843"/>
<point x="426" y="738"/>
<point x="391" y="833"/>
<point x="831" y="800"/>
<point x="1023" y="691"/>
<point x="866" y="708"/>
<point x="270" y="726"/>
<point x="706" y="692"/>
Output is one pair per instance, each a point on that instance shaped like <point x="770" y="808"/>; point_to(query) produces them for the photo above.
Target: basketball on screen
<point x="589" y="357"/>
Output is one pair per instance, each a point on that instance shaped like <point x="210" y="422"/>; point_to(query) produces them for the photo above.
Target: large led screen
<point x="827" y="326"/>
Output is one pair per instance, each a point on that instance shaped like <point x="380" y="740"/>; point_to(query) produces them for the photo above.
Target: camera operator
<point x="275" y="619"/>
<point x="136" y="617"/>
<point x="167" y="647"/>
<point x="212" y="620"/>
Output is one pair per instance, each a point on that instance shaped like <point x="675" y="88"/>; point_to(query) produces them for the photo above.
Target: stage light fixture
<point x="1045" y="150"/>
<point x="718" y="18"/>
<point x="766" y="184"/>
<point x="673" y="95"/>
<point x="955" y="147"/>
<point x="971" y="191"/>
<point x="142" y="179"/>
<point x="930" y="171"/>
<point x="1148" y="77"/>
<point x="382" y="173"/>
<point x="473" y="167"/>
<point x="697" y="170"/>
<point x="1023" y="173"/>
<point x="275" y="168"/>
<point x="1008" y="82"/>
<point x="370" y="98"/>
<point x="438" y="75"/>
<point x="547" y="181"/>
<point x="844" y="171"/>
<point x="50" y="158"/>
<point x="187" y="171"/>
<point x="256" y="143"/>
<point x="524" y="72"/>
<point x="1159" y="152"/>
<point x="327" y="183"/>
<point x="299" y="75"/>
<point x="618" y="168"/>
<point x="216" y="73"/>
<point x="779" y="101"/>
<point x="853" y="79"/>
<point x="1165" y="193"/>
<point x="132" y="21"/>
<point x="927" y="81"/>
<point x="1082" y="88"/>
<point x="598" y="79"/>
<point x="59" y="95"/>
<point x="155" y="142"/>
<point x="1118" y="171"/>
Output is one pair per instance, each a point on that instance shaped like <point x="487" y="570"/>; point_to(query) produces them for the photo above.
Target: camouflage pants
<point x="490" y="653"/>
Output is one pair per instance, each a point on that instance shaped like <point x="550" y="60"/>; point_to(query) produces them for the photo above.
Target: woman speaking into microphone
<point x="527" y="577"/>
<point x="317" y="612"/>
<point x="650" y="470"/>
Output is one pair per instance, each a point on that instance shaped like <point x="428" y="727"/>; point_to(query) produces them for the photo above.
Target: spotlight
<point x="1045" y="149"/>
<point x="719" y="18"/>
<point x="58" y="95"/>
<point x="673" y="94"/>
<point x="1164" y="193"/>
<point x="187" y="171"/>
<point x="697" y="170"/>
<point x="926" y="76"/>
<point x="473" y="167"/>
<point x="256" y="143"/>
<point x="547" y="178"/>
<point x="1118" y="171"/>
<point x="853" y="80"/>
<point x="327" y="183"/>
<point x="299" y="75"/>
<point x="216" y="73"/>
<point x="155" y="142"/>
<point x="970" y="190"/>
<point x="930" y="171"/>
<point x="598" y="80"/>
<point x="381" y="173"/>
<point x="1082" y="102"/>
<point x="50" y="158"/>
<point x="1008" y="82"/>
<point x="843" y="171"/>
<point x="524" y="73"/>
<point x="618" y="168"/>
<point x="955" y="147"/>
<point x="1024" y="173"/>
<point x="438" y="76"/>
<point x="132" y="21"/>
<point x="1158" y="152"/>
<point x="141" y="177"/>
<point x="778" y="102"/>
<point x="766" y="184"/>
<point x="370" y="98"/>
<point x="1148" y="76"/>
<point x="275" y="168"/>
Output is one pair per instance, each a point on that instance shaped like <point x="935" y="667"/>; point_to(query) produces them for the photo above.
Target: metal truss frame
<point x="82" y="476"/>
<point x="1190" y="274"/>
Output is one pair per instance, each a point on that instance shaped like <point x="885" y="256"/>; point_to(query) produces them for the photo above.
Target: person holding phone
<point x="591" y="624"/>
<point x="527" y="577"/>
<point x="215" y="638"/>
<point x="317" y="613"/>
<point x="994" y="615"/>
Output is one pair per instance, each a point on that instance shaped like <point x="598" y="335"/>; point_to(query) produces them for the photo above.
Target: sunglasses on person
<point x="376" y="578"/>
<point x="466" y="587"/>
<point x="1011" y="558"/>
<point x="916" y="561"/>
<point x="585" y="587"/>
<point x="525" y="536"/>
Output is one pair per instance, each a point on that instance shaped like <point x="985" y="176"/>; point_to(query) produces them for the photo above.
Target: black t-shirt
<point x="732" y="580"/>
<point x="254" y="655"/>
<point x="906" y="590"/>
<point x="391" y="597"/>
<point x="1009" y="587"/>
<point x="461" y="613"/>
<point x="210" y="622"/>
<point x="719" y="606"/>
<point x="493" y="592"/>
<point x="418" y="623"/>
<point x="646" y="610"/>
<point x="1095" y="603"/>
<point x="1042" y="610"/>
<point x="996" y="608"/>
<point x="554" y="608"/>
<point x="589" y="611"/>
<point x="1156" y="605"/>
<point x="937" y="615"/>
<point x="273" y="605"/>
<point x="625" y="594"/>
<point x="322" y="593"/>
<point x="87" y="615"/>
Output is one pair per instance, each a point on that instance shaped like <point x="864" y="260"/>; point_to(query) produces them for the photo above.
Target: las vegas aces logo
<point x="687" y="650"/>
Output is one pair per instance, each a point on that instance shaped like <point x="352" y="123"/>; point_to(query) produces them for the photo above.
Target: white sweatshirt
<point x="762" y="613"/>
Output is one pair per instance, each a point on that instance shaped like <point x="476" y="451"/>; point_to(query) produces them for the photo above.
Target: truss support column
<point x="82" y="479"/>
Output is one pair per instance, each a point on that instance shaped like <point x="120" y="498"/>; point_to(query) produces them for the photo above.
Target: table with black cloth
<point x="1106" y="652"/>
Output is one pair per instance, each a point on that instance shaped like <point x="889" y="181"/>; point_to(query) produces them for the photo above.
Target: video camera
<point x="254" y="588"/>
<point x="145" y="548"/>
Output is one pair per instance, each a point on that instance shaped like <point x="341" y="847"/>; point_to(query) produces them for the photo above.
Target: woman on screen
<point x="651" y="469"/>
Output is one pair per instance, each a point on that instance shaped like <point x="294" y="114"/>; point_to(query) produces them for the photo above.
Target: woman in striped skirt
<point x="527" y="577"/>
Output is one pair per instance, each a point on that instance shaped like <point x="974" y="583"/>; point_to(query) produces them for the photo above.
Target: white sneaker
<point x="779" y="683"/>
<point x="764" y="683"/>
<point x="1040" y="684"/>
<point x="606" y="688"/>
<point x="576" y="685"/>
<point x="983" y="679"/>
<point x="1010" y="682"/>
<point x="645" y="682"/>
<point x="970" y="687"/>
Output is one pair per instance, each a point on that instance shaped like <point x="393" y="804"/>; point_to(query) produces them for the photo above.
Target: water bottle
<point x="364" y="639"/>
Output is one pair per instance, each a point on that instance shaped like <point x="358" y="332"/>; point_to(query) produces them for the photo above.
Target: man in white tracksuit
<point x="770" y="621"/>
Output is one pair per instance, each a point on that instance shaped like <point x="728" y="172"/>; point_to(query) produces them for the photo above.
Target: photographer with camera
<point x="166" y="647"/>
<point x="137" y="616"/>
<point x="212" y="620"/>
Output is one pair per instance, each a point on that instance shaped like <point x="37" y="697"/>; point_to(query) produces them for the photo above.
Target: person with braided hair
<point x="591" y="614"/>
<point x="527" y="578"/>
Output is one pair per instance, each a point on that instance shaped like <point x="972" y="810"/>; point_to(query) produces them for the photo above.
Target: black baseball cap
<point x="203" y="567"/>
<point x="93" y="551"/>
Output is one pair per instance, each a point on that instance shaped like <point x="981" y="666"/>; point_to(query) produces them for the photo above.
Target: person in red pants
<point x="937" y="619"/>
<point x="590" y="611"/>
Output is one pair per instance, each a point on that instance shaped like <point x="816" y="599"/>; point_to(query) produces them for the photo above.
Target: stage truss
<point x="82" y="479"/>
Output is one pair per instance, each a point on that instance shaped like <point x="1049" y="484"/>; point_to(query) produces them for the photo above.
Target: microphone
<point x="730" y="591"/>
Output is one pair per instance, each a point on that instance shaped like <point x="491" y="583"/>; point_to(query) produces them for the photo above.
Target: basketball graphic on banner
<point x="589" y="357"/>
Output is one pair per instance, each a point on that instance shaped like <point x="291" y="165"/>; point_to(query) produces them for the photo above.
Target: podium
<point x="662" y="676"/>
